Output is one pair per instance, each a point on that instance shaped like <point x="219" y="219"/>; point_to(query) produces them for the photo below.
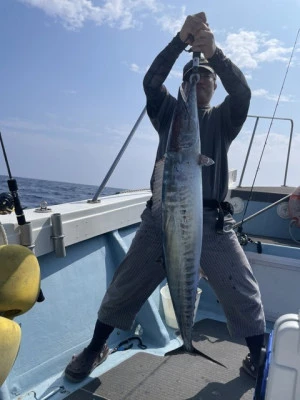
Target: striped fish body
<point x="182" y="210"/>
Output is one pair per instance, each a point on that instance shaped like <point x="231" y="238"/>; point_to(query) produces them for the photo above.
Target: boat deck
<point x="146" y="376"/>
<point x="97" y="237"/>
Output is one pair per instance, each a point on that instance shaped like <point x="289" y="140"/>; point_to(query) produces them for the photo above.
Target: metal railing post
<point x="248" y="152"/>
<point x="251" y="141"/>
<point x="289" y="150"/>
<point x="117" y="159"/>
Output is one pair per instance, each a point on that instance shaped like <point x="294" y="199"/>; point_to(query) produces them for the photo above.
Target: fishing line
<point x="270" y="126"/>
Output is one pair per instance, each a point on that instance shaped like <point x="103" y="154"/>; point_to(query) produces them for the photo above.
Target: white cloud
<point x="250" y="48"/>
<point x="170" y="21"/>
<point x="274" y="97"/>
<point x="274" y="52"/>
<point x="246" y="48"/>
<point x="137" y="69"/>
<point x="240" y="47"/>
<point x="74" y="13"/>
<point x="71" y="13"/>
<point x="123" y="14"/>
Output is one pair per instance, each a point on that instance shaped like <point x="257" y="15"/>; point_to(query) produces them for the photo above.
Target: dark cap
<point x="203" y="64"/>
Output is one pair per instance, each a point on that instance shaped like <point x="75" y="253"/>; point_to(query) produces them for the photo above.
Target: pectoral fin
<point x="205" y="161"/>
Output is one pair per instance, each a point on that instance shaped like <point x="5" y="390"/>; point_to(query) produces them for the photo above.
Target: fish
<point x="182" y="211"/>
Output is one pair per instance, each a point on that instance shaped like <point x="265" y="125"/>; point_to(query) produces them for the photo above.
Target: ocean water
<point x="33" y="191"/>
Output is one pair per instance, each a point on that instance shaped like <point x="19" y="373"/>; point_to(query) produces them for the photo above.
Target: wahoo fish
<point x="182" y="210"/>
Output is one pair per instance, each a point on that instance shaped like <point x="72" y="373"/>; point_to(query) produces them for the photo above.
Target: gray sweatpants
<point x="222" y="260"/>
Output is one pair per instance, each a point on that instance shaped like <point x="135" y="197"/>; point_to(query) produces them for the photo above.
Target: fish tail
<point x="193" y="351"/>
<point x="200" y="353"/>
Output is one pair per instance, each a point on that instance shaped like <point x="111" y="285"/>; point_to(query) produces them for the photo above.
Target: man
<point x="222" y="259"/>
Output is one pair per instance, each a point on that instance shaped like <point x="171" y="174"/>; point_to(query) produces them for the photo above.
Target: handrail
<point x="251" y="141"/>
<point x="117" y="159"/>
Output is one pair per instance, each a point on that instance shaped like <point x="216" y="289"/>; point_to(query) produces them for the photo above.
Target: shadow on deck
<point x="179" y="377"/>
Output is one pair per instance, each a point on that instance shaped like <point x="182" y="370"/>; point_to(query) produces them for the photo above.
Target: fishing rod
<point x="240" y="227"/>
<point x="25" y="227"/>
<point x="237" y="224"/>
<point x="13" y="188"/>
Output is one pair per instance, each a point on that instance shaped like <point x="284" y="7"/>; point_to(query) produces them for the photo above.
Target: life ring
<point x="10" y="339"/>
<point x="19" y="280"/>
<point x="294" y="207"/>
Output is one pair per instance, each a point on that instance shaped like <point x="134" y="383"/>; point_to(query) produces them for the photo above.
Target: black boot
<point x="251" y="361"/>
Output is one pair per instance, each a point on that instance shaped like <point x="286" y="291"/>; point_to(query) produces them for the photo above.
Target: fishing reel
<point x="7" y="205"/>
<point x="242" y="238"/>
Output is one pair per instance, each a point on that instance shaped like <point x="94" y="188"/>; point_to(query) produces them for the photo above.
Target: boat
<point x="79" y="245"/>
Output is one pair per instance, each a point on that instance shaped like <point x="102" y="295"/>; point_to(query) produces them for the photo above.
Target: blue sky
<point x="71" y="76"/>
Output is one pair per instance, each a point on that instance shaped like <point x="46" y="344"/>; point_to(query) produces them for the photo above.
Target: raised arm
<point x="160" y="68"/>
<point x="230" y="75"/>
<point x="235" y="85"/>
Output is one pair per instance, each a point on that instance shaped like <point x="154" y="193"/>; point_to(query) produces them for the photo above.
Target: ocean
<point x="32" y="191"/>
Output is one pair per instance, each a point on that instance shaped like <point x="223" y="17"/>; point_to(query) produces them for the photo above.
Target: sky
<point x="71" y="76"/>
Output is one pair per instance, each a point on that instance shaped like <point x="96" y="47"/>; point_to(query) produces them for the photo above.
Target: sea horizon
<point x="32" y="191"/>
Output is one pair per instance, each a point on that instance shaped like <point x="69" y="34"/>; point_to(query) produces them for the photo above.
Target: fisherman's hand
<point x="191" y="27"/>
<point x="196" y="32"/>
<point x="204" y="41"/>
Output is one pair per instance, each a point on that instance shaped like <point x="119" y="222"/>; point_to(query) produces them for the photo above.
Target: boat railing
<point x="257" y="117"/>
<point x="117" y="159"/>
<point x="141" y="116"/>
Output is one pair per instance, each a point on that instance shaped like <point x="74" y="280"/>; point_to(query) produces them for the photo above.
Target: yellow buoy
<point x="19" y="280"/>
<point x="10" y="338"/>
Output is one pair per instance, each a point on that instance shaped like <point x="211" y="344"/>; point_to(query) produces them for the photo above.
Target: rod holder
<point x="26" y="236"/>
<point x="57" y="235"/>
